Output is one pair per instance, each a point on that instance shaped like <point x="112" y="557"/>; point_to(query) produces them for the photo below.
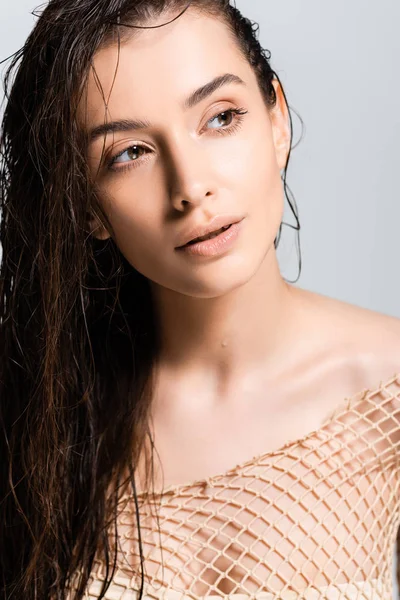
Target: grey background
<point x="339" y="64"/>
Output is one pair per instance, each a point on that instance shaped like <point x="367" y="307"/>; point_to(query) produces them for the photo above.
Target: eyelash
<point x="237" y="123"/>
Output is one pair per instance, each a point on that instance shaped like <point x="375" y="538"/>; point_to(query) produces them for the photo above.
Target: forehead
<point x="162" y="64"/>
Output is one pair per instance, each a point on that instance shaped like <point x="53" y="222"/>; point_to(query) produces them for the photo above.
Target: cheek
<point x="255" y="163"/>
<point x="264" y="186"/>
<point x="136" y="223"/>
<point x="256" y="174"/>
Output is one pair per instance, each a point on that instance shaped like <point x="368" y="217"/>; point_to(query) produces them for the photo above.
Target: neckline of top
<point x="340" y="408"/>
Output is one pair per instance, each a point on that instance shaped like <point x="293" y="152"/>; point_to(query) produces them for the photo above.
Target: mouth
<point x="216" y="243"/>
<point x="209" y="236"/>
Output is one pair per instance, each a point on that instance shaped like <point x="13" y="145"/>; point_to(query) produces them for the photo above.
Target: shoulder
<point x="375" y="338"/>
<point x="363" y="344"/>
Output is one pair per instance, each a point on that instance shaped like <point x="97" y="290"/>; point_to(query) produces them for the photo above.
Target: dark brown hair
<point x="78" y="330"/>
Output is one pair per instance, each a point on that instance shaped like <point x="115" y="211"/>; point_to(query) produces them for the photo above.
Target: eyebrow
<point x="194" y="98"/>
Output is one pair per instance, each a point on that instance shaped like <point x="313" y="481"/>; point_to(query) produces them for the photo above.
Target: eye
<point x="235" y="118"/>
<point x="131" y="153"/>
<point x="224" y="114"/>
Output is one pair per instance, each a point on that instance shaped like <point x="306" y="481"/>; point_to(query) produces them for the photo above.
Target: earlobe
<point x="280" y="126"/>
<point x="101" y="234"/>
<point x="97" y="229"/>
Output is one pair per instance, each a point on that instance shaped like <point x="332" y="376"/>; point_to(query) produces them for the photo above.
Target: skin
<point x="248" y="361"/>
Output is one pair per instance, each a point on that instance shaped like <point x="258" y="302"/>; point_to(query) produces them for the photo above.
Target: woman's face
<point x="185" y="164"/>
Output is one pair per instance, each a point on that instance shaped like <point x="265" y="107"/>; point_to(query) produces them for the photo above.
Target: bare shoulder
<point x="364" y="342"/>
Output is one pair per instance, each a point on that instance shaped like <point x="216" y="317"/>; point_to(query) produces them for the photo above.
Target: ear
<point x="97" y="229"/>
<point x="280" y="126"/>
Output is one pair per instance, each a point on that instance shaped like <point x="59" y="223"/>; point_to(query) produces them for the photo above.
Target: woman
<point x="132" y="128"/>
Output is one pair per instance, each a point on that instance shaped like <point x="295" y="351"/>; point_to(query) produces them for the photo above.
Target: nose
<point x="190" y="172"/>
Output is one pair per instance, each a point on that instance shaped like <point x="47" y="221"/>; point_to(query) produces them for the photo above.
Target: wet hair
<point x="78" y="330"/>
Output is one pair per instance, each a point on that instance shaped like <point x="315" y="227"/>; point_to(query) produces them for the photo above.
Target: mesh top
<point x="316" y="518"/>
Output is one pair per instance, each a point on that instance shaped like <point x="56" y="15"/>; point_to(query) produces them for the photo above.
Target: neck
<point x="228" y="333"/>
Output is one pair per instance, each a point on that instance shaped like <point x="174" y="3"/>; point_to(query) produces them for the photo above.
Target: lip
<point x="215" y="246"/>
<point x="216" y="223"/>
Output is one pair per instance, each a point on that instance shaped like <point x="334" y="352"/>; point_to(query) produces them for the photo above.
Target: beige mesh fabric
<point x="316" y="518"/>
